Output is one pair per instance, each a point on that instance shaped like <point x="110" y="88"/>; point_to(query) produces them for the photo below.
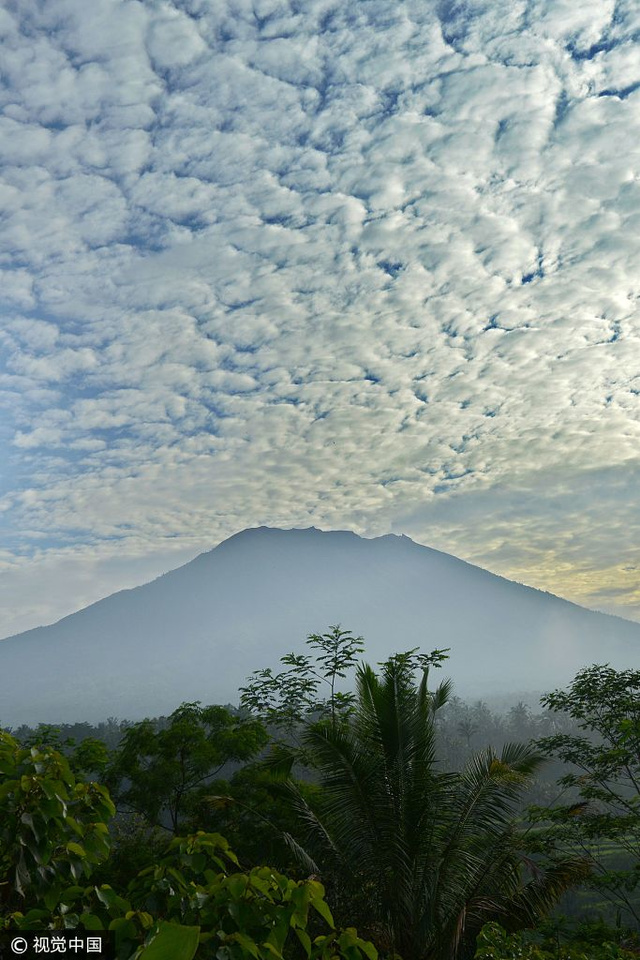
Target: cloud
<point x="370" y="267"/>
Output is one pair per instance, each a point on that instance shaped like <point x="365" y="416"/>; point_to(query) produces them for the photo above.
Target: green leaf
<point x="124" y="929"/>
<point x="278" y="935"/>
<point x="305" y="940"/>
<point x="198" y="862"/>
<point x="322" y="907"/>
<point x="300" y="897"/>
<point x="270" y="948"/>
<point x="248" y="945"/>
<point x="32" y="915"/>
<point x="368" y="949"/>
<point x="172" y="942"/>
<point x="71" y="894"/>
<point x="52" y="897"/>
<point x="75" y="826"/>
<point x="111" y="900"/>
<point x="79" y="851"/>
<point x="237" y="884"/>
<point x="8" y="787"/>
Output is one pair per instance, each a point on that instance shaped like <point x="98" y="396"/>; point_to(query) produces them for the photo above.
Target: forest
<point x="340" y="810"/>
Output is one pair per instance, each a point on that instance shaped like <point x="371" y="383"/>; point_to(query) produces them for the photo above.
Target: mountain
<point x="197" y="632"/>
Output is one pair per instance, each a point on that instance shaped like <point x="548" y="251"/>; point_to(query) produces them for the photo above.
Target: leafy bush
<point x="599" y="817"/>
<point x="191" y="903"/>
<point x="53" y="827"/>
<point x="494" y="943"/>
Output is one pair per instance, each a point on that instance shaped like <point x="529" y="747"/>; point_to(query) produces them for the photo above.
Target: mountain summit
<point x="197" y="632"/>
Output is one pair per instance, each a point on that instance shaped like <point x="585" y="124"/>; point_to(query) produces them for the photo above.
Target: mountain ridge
<point x="196" y="632"/>
<point x="386" y="536"/>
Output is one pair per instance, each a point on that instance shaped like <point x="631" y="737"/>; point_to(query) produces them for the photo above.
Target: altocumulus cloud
<point x="370" y="265"/>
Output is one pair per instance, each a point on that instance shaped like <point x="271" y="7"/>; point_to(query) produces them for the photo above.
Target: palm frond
<point x="440" y="851"/>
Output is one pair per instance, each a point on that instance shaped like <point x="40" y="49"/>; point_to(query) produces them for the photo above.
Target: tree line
<point x="397" y="821"/>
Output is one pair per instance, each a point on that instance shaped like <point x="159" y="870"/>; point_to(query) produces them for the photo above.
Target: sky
<point x="370" y="266"/>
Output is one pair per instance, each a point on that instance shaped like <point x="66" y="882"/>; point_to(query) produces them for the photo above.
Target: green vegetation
<point x="425" y="856"/>
<point x="53" y="826"/>
<point x="600" y="818"/>
<point x="191" y="901"/>
<point x="285" y="701"/>
<point x="160" y="773"/>
<point x="408" y="807"/>
<point x="494" y="943"/>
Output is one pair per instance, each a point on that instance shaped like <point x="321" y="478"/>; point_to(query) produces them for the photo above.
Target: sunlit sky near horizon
<point x="370" y="265"/>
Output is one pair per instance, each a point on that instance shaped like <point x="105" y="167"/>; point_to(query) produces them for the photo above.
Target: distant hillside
<point x="197" y="632"/>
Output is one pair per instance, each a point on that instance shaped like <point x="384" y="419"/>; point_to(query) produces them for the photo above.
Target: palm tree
<point x="435" y="854"/>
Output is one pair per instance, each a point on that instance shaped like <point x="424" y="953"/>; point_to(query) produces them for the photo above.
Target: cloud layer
<point x="373" y="266"/>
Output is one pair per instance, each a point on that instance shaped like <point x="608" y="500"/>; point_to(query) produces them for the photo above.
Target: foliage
<point x="437" y="854"/>
<point x="247" y="808"/>
<point x="134" y="845"/>
<point x="253" y="816"/>
<point x="605" y="777"/>
<point x="158" y="772"/>
<point x="86" y="757"/>
<point x="191" y="903"/>
<point x="52" y="826"/>
<point x="494" y="943"/>
<point x="109" y="732"/>
<point x="287" y="699"/>
<point x="240" y="914"/>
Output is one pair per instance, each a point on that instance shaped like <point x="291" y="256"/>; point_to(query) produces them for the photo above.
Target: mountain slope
<point x="198" y="631"/>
